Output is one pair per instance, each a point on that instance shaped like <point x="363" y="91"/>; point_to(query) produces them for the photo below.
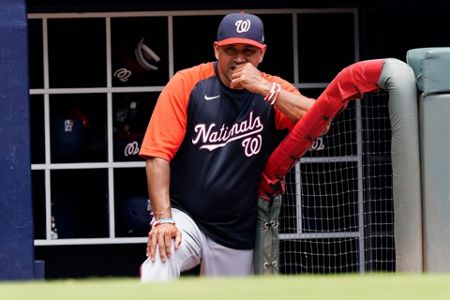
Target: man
<point x="211" y="132"/>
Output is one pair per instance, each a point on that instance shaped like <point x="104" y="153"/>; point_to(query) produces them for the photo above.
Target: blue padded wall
<point x="16" y="219"/>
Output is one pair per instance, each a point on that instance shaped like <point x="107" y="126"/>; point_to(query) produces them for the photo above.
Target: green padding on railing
<point x="431" y="67"/>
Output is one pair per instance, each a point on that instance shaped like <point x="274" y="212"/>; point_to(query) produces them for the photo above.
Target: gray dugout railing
<point x="397" y="78"/>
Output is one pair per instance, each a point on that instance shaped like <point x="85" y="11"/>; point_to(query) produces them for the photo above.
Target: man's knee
<point x="158" y="270"/>
<point x="184" y="258"/>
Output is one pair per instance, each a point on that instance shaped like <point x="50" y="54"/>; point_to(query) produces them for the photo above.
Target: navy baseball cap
<point x="236" y="28"/>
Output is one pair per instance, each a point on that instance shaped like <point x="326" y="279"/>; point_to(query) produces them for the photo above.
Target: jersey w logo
<point x="242" y="25"/>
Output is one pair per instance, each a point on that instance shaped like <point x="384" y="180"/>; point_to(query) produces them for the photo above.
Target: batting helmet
<point x="137" y="59"/>
<point x="129" y="128"/>
<point x="67" y="134"/>
<point x="136" y="215"/>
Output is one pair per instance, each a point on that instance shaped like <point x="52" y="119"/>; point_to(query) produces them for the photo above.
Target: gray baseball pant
<point x="196" y="248"/>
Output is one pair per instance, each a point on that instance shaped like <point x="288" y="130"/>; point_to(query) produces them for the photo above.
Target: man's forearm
<point x="158" y="183"/>
<point x="292" y="105"/>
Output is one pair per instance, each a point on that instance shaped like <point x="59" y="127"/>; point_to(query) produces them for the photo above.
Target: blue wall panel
<point x="16" y="226"/>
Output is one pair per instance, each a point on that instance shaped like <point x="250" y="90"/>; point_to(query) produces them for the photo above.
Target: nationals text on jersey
<point x="212" y="138"/>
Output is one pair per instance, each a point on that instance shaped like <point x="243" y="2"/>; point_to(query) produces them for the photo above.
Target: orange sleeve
<point x="167" y="126"/>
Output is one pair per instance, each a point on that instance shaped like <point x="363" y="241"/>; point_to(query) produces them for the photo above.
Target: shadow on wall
<point x="391" y="30"/>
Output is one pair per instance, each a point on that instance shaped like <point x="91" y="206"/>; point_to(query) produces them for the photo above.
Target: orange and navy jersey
<point x="217" y="140"/>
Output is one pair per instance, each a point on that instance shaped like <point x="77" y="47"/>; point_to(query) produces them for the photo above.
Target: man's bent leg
<point x="218" y="260"/>
<point x="186" y="257"/>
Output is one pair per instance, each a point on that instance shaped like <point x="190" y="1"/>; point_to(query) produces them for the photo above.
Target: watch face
<point x="139" y="51"/>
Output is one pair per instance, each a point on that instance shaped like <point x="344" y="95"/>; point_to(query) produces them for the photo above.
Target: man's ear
<point x="216" y="50"/>
<point x="261" y="58"/>
<point x="263" y="51"/>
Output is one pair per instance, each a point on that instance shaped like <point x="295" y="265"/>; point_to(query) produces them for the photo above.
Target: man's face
<point x="229" y="56"/>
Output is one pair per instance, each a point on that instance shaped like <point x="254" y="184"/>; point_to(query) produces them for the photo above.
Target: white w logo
<point x="242" y="25"/>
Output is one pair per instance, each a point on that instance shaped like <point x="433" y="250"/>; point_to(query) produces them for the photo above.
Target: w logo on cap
<point x="243" y="25"/>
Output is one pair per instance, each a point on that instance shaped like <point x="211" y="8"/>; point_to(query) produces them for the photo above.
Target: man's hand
<point x="247" y="76"/>
<point x="161" y="236"/>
